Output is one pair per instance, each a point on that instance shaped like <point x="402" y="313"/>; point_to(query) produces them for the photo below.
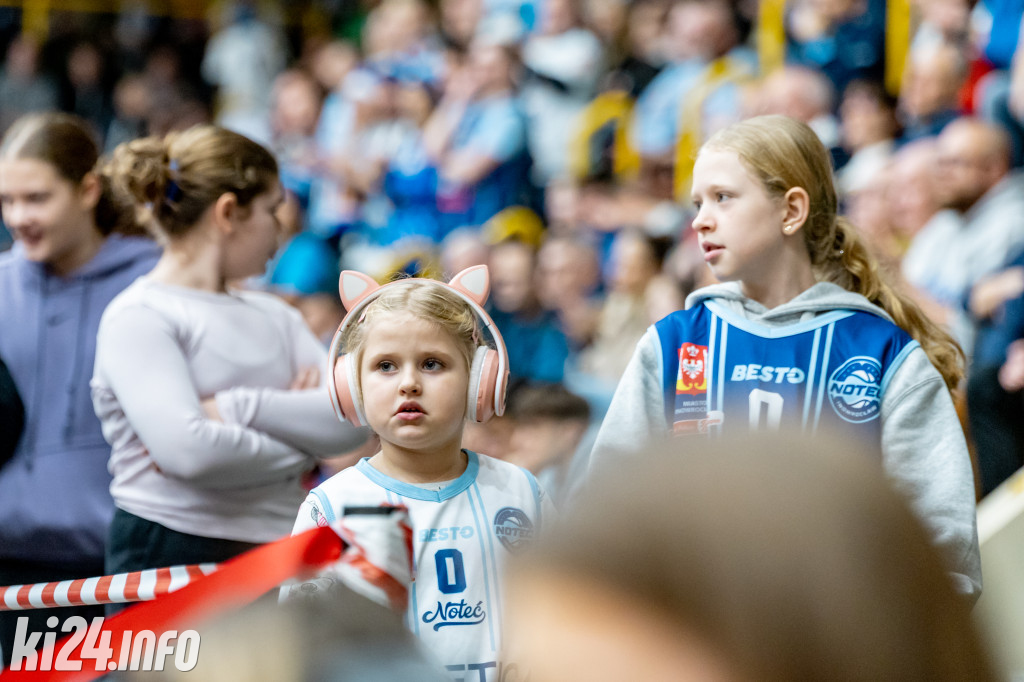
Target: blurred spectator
<point x="568" y="278"/>
<point x="459" y="20"/>
<point x="23" y="88"/>
<point x="995" y="385"/>
<point x="409" y="179"/>
<point x="635" y="261"/>
<point x="463" y="248"/>
<point x="699" y="33"/>
<point x="176" y="104"/>
<point x="868" y="209"/>
<point x="948" y="22"/>
<point x="548" y="427"/>
<point x="87" y="94"/>
<point x="296" y="101"/>
<point x="941" y="21"/>
<point x="476" y="138"/>
<point x="132" y="105"/>
<point x="842" y="39"/>
<point x="999" y="93"/>
<point x="330" y="209"/>
<point x="930" y="96"/>
<point x="868" y="126"/>
<point x="912" y="193"/>
<point x="632" y="35"/>
<point x="978" y="232"/>
<point x="242" y="59"/>
<point x="400" y="41"/>
<point x="537" y="347"/>
<point x="802" y="93"/>
<point x="774" y="559"/>
<point x="564" y="62"/>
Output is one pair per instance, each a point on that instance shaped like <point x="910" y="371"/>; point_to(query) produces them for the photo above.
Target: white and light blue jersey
<point x="724" y="371"/>
<point x="462" y="535"/>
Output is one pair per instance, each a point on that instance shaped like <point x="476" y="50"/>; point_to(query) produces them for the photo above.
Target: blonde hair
<point x="427" y="300"/>
<point x="784" y="153"/>
<point x="174" y="179"/>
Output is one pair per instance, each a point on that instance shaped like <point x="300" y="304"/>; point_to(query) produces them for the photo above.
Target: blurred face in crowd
<point x="296" y="105"/>
<point x="566" y="272"/>
<point x="932" y="82"/>
<point x="511" y="266"/>
<point x="970" y="162"/>
<point x="559" y="16"/>
<point x="490" y="68"/>
<point x="333" y="62"/>
<point x="700" y="29"/>
<point x="459" y="19"/>
<point x="51" y="217"/>
<point x="413" y="102"/>
<point x="865" y="119"/>
<point x="646" y="21"/>
<point x="911" y="192"/>
<point x="634" y="265"/>
<point x="950" y="17"/>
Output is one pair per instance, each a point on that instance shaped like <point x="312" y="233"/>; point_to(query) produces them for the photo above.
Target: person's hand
<point x="308" y="377"/>
<point x="210" y="408"/>
<point x="1011" y="374"/>
<point x="989" y="294"/>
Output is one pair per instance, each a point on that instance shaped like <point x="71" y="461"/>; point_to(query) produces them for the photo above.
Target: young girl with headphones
<point x="410" y="361"/>
<point x="804" y="335"/>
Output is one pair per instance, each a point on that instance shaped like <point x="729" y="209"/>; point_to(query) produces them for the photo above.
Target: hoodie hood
<point x="821" y="298"/>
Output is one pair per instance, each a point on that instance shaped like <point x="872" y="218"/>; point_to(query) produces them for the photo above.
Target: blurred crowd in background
<point x="553" y="139"/>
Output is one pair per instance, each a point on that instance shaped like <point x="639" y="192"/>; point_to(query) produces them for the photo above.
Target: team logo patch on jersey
<point x="513" y="528"/>
<point x="693" y="363"/>
<point x="318" y="516"/>
<point x="855" y="389"/>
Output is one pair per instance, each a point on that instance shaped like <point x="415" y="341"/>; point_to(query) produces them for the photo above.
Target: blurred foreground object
<point x="774" y="559"/>
<point x="1000" y="614"/>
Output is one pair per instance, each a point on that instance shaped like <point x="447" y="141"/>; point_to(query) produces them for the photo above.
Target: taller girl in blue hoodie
<point x="69" y="260"/>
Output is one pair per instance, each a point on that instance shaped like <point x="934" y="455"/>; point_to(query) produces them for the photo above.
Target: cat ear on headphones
<point x="354" y="287"/>
<point x="474" y="282"/>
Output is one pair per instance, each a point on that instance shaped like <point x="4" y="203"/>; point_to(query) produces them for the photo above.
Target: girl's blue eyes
<point x="429" y="365"/>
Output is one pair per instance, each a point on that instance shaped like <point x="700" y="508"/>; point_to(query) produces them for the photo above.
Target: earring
<point x="788" y="229"/>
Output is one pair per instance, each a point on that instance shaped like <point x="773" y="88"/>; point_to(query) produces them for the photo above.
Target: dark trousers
<point x="136" y="544"/>
<point x="26" y="572"/>
<point x="997" y="427"/>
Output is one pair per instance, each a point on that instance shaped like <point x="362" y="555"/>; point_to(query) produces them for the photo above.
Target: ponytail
<point x="852" y="266"/>
<point x="172" y="180"/>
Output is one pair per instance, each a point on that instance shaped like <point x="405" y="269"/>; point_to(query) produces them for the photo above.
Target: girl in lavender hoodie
<point x="70" y="258"/>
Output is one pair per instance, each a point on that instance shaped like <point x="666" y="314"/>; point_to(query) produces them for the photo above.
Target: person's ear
<point x="796" y="208"/>
<point x="225" y="212"/>
<point x="90" y="189"/>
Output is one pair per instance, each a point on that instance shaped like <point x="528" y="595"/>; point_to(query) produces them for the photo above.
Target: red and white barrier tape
<point x="229" y="585"/>
<point x="108" y="589"/>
